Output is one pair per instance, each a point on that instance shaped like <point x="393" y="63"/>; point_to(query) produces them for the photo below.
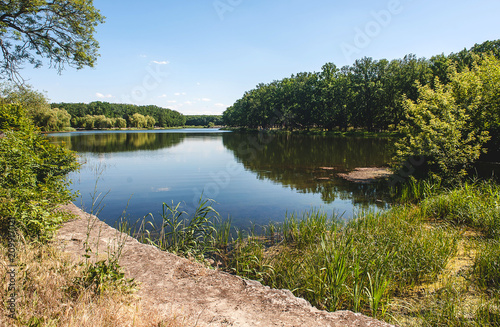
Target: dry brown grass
<point x="44" y="276"/>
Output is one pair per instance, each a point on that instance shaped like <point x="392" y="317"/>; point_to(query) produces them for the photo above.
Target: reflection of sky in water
<point x="180" y="170"/>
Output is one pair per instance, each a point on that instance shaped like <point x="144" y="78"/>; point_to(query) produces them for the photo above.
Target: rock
<point x="205" y="297"/>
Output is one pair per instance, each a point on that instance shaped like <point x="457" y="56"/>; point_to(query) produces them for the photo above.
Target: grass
<point x="48" y="294"/>
<point x="431" y="260"/>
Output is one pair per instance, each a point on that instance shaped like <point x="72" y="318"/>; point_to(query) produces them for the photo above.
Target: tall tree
<point x="61" y="31"/>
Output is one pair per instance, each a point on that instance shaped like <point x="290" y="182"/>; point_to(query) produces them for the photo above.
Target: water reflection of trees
<point x="310" y="164"/>
<point x="120" y="142"/>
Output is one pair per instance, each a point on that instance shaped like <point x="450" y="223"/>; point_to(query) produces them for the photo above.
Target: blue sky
<point x="200" y="56"/>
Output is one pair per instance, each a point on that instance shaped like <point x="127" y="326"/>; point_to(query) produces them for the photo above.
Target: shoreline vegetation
<point x="433" y="259"/>
<point x="430" y="260"/>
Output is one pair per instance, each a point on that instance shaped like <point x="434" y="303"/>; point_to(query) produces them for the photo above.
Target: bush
<point x="440" y="130"/>
<point x="32" y="176"/>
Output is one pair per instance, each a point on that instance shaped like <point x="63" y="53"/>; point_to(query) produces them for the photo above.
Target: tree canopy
<point x="86" y="115"/>
<point x="61" y="31"/>
<point x="369" y="94"/>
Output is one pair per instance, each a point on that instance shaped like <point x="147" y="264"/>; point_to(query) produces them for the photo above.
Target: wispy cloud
<point x="221" y="105"/>
<point x="179" y="93"/>
<point x="104" y="96"/>
<point x="162" y="96"/>
<point x="206" y="99"/>
<point x="160" y="62"/>
<point x="172" y="101"/>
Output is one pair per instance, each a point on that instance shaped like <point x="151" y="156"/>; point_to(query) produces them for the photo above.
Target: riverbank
<point x="431" y="260"/>
<point x="319" y="132"/>
<point x="128" y="129"/>
<point x="191" y="291"/>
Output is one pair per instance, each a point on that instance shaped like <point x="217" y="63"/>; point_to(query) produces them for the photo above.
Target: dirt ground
<point x="366" y="175"/>
<point x="202" y="296"/>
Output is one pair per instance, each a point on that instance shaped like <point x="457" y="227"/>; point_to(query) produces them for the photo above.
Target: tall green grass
<point x="362" y="264"/>
<point x="355" y="266"/>
<point x="175" y="233"/>
<point x="472" y="204"/>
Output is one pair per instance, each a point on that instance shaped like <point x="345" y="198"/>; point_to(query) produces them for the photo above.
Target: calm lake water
<point x="252" y="178"/>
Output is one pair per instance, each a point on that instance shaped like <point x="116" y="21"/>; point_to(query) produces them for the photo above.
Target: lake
<point x="253" y="178"/>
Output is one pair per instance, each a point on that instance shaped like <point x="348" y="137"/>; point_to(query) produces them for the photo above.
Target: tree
<point x="61" y="31"/>
<point x="137" y="120"/>
<point x="120" y="123"/>
<point x="150" y="122"/>
<point x="37" y="107"/>
<point x="439" y="129"/>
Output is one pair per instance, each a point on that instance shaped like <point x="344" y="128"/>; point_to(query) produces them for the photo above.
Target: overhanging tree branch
<point x="61" y="31"/>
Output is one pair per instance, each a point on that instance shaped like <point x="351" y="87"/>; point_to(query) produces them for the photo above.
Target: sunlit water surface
<point x="252" y="178"/>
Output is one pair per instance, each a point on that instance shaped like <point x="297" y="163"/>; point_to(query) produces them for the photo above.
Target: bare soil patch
<point x="202" y="296"/>
<point x="366" y="175"/>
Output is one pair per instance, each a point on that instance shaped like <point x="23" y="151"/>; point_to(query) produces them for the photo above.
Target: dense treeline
<point x="446" y="108"/>
<point x="204" y="120"/>
<point x="106" y="115"/>
<point x="369" y="94"/>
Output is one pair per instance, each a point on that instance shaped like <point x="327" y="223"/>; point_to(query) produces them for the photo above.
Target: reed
<point x="368" y="262"/>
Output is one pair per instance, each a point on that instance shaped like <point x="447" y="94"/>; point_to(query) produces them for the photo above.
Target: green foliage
<point x="203" y="120"/>
<point x="183" y="236"/>
<point x="84" y="115"/>
<point x="449" y="103"/>
<point x="61" y="31"/>
<point x="440" y="130"/>
<point x="13" y="116"/>
<point x="120" y="123"/>
<point x="140" y="121"/>
<point x="36" y="106"/>
<point x="32" y="177"/>
<point x="103" y="275"/>
<point x="366" y="95"/>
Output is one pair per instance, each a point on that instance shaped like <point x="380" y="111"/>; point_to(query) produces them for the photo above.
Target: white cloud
<point x="221" y="105"/>
<point x="160" y="62"/>
<point x="189" y="102"/>
<point x="179" y="93"/>
<point x="172" y="101"/>
<point x="206" y="99"/>
<point x="103" y="96"/>
<point x="162" y="96"/>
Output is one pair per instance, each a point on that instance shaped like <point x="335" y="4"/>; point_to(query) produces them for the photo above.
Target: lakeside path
<point x="204" y="297"/>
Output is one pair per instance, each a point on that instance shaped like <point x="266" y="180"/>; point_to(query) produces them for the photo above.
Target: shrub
<point x="32" y="176"/>
<point x="439" y="129"/>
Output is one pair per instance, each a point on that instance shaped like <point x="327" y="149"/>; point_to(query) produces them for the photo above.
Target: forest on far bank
<point x="445" y="109"/>
<point x="51" y="117"/>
